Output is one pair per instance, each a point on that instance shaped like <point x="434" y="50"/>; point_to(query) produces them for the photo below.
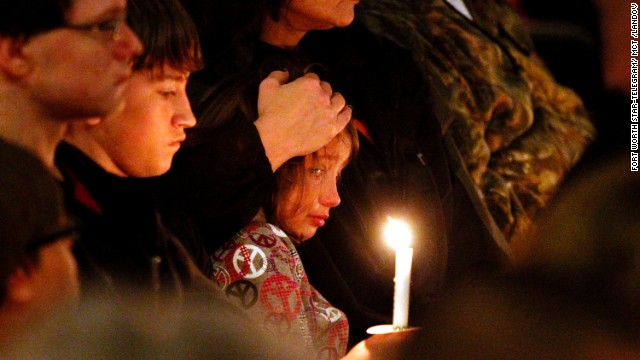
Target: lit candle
<point x="398" y="235"/>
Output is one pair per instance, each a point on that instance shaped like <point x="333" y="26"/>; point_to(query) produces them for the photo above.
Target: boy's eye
<point x="167" y="93"/>
<point x="110" y="25"/>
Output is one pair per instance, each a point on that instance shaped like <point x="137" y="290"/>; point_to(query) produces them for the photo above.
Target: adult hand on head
<point x="299" y="117"/>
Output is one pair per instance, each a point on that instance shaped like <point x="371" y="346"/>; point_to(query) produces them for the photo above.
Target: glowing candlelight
<point x="398" y="235"/>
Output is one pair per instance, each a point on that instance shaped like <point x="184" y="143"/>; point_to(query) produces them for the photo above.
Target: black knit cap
<point x="31" y="209"/>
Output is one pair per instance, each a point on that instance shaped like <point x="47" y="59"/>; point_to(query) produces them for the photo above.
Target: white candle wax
<point x="399" y="237"/>
<point x="404" y="256"/>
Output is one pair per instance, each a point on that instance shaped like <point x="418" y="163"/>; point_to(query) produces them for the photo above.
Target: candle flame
<point x="397" y="234"/>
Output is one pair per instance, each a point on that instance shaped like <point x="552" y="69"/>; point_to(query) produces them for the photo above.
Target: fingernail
<point x="350" y="106"/>
<point x="284" y="69"/>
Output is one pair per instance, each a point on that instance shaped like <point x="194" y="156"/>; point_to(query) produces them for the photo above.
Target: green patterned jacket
<point x="515" y="130"/>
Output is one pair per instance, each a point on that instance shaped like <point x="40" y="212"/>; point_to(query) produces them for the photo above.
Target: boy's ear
<point x="20" y="287"/>
<point x="13" y="63"/>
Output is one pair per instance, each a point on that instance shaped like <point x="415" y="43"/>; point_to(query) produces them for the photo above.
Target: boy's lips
<point x="179" y="140"/>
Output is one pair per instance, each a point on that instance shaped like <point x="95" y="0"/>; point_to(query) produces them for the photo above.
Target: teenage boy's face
<point x="81" y="72"/>
<point x="142" y="140"/>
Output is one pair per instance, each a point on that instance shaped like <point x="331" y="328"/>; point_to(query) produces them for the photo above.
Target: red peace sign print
<point x="339" y="333"/>
<point x="282" y="255"/>
<point x="263" y="240"/>
<point x="221" y="251"/>
<point x="278" y="323"/>
<point x="245" y="291"/>
<point x="280" y="294"/>
<point x="249" y="261"/>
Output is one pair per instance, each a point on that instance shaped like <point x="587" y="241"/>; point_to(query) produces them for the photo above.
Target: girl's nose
<point x="329" y="196"/>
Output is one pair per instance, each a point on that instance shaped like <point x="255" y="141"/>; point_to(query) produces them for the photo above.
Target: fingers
<point x="338" y="103"/>
<point x="343" y="118"/>
<point x="276" y="78"/>
<point x="308" y="85"/>
<point x="323" y="84"/>
<point x="326" y="87"/>
<point x="343" y="111"/>
<point x="311" y="75"/>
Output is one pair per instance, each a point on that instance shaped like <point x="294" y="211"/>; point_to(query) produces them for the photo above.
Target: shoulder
<point x="258" y="251"/>
<point x="263" y="235"/>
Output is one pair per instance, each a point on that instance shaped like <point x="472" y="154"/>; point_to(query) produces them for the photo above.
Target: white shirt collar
<point x="461" y="7"/>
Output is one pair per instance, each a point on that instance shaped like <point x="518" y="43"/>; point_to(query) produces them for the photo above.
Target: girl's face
<point x="309" y="15"/>
<point x="305" y="207"/>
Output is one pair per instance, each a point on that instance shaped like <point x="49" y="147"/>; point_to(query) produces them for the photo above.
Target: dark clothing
<point x="517" y="131"/>
<point x="497" y="132"/>
<point x="405" y="172"/>
<point x="31" y="208"/>
<point x="221" y="183"/>
<point x="125" y="246"/>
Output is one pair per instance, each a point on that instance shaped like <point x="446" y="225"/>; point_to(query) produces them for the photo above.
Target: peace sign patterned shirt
<point x="260" y="269"/>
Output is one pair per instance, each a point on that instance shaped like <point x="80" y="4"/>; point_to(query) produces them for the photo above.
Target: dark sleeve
<point x="185" y="231"/>
<point x="220" y="183"/>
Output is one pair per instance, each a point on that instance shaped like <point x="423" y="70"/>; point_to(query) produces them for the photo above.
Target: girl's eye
<point x="316" y="172"/>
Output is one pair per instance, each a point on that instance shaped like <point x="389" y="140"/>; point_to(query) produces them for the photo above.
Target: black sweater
<point x="124" y="245"/>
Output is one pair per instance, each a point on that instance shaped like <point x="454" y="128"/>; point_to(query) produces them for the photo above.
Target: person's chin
<point x="344" y="21"/>
<point x="310" y="233"/>
<point x="158" y="170"/>
<point x="163" y="170"/>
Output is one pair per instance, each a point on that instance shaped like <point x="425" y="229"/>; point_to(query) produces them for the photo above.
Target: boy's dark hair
<point x="168" y="34"/>
<point x="20" y="18"/>
<point x="31" y="208"/>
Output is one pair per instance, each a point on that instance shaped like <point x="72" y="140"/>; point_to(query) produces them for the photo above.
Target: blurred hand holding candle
<point x="398" y="235"/>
